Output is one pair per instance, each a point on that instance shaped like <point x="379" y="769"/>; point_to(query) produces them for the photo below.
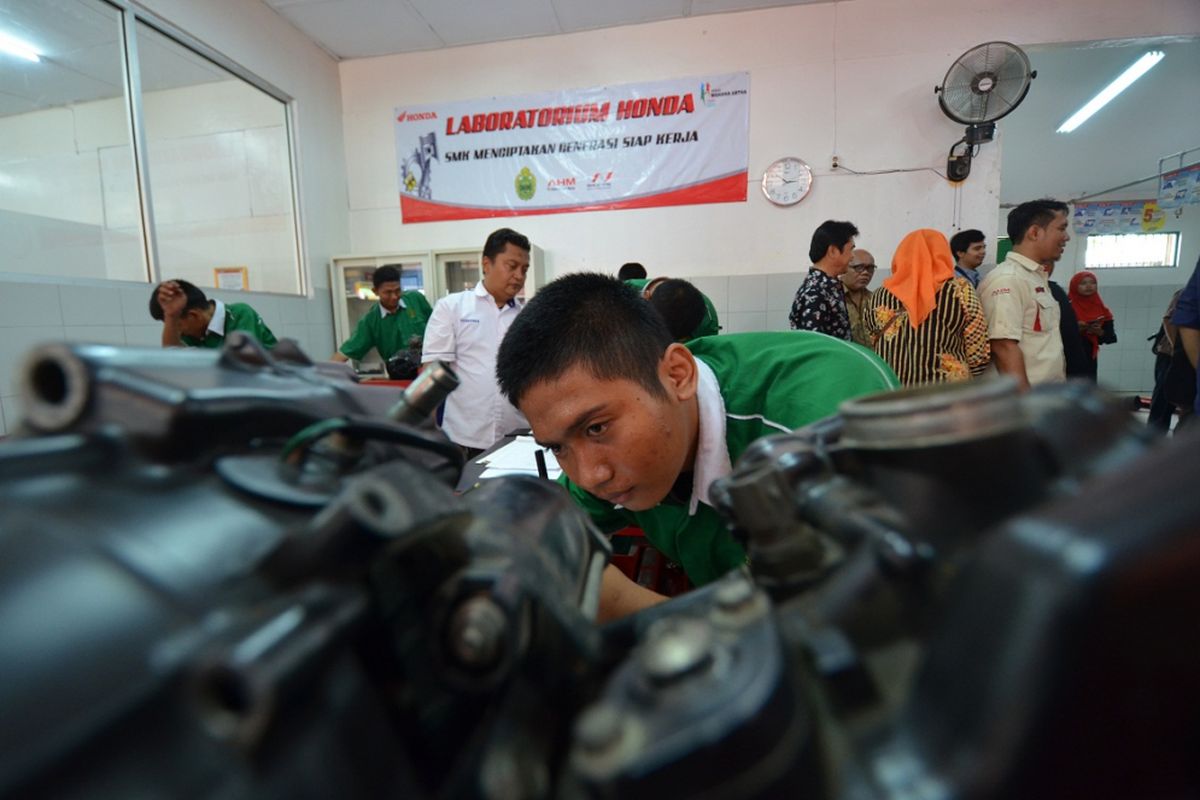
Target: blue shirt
<point x="1187" y="315"/>
<point x="971" y="275"/>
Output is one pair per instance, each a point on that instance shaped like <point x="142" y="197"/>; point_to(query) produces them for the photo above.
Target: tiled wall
<point x="33" y="313"/>
<point x="1128" y="365"/>
<point x="762" y="302"/>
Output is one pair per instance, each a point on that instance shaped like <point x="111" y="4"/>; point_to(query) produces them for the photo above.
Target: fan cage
<point x="985" y="83"/>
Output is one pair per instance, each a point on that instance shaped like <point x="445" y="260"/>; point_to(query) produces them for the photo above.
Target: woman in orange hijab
<point x="1095" y="320"/>
<point x="926" y="323"/>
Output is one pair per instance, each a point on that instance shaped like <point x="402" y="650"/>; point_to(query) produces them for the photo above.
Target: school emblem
<point x="526" y="184"/>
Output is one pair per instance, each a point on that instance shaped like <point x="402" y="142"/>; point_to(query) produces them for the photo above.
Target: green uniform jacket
<point x="391" y="334"/>
<point x="770" y="383"/>
<point x="238" y="317"/>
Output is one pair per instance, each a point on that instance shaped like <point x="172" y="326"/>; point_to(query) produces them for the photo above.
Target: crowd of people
<point x="935" y="319"/>
<point x="644" y="405"/>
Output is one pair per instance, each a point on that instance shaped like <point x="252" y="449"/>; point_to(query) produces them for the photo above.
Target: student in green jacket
<point x="643" y="425"/>
<point x="708" y="325"/>
<point x="192" y="320"/>
<point x="390" y="325"/>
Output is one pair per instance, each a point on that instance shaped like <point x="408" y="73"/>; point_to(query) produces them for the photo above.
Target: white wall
<point x="853" y="78"/>
<point x="38" y="308"/>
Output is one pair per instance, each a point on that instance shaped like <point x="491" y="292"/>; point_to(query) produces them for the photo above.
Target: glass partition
<point x="68" y="191"/>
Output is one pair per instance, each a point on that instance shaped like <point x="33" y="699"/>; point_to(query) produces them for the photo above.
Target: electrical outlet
<point x="835" y="162"/>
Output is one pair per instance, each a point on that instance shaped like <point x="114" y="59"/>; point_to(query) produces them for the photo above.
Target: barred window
<point x="1118" y="250"/>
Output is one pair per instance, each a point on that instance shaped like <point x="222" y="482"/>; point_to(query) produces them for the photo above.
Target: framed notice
<point x="234" y="278"/>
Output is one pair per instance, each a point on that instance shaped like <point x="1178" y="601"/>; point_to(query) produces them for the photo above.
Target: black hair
<point x="195" y="298"/>
<point x="681" y="306"/>
<point x="631" y="270"/>
<point x="385" y="274"/>
<point x="1030" y="213"/>
<point x="584" y="319"/>
<point x="830" y="232"/>
<point x="960" y="241"/>
<point x="497" y="240"/>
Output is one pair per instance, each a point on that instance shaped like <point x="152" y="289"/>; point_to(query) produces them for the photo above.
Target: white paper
<point x="519" y="454"/>
<point x="492" y="472"/>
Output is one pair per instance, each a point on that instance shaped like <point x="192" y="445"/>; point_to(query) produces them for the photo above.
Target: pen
<point x="541" y="464"/>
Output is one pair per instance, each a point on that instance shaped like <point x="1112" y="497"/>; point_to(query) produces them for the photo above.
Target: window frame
<point x="130" y="15"/>
<point x="1175" y="256"/>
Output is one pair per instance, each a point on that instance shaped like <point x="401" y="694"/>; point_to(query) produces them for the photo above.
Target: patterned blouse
<point x="950" y="345"/>
<point x="820" y="306"/>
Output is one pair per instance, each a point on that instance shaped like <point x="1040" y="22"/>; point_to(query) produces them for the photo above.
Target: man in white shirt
<point x="466" y="329"/>
<point x="1022" y="313"/>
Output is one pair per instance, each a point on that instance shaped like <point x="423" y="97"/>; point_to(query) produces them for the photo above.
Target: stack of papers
<point x="517" y="458"/>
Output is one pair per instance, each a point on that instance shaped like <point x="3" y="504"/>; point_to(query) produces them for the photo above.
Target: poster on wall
<point x="663" y="143"/>
<point x="1179" y="187"/>
<point x="1116" y="216"/>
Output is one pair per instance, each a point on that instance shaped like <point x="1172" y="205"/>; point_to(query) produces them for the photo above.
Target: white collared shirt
<point x="383" y="312"/>
<point x="466" y="329"/>
<point x="712" y="452"/>
<point x="217" y="323"/>
<point x="1018" y="305"/>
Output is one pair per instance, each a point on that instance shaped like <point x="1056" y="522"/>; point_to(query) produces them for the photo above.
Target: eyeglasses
<point x="863" y="267"/>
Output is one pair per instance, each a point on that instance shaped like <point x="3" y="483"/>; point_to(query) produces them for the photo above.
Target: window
<point x="172" y="164"/>
<point x="1116" y="250"/>
<point x="66" y="160"/>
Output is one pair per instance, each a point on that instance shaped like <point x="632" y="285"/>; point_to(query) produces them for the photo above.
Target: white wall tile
<point x="91" y="305"/>
<point x="135" y="305"/>
<point x="143" y="335"/>
<point x="15" y="344"/>
<point x="745" y="321"/>
<point x="777" y="320"/>
<point x="781" y="290"/>
<point x="321" y="341"/>
<point x="24" y="304"/>
<point x="747" y="293"/>
<point x="319" y="311"/>
<point x="1138" y="297"/>
<point x="716" y="287"/>
<point x="96" y="334"/>
<point x="292" y="309"/>
<point x="10" y="410"/>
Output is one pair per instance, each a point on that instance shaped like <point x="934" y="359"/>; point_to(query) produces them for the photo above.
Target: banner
<point x="1117" y="216"/>
<point x="666" y="143"/>
<point x="1179" y="187"/>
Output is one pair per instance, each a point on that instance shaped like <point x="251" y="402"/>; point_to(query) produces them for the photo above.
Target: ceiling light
<point x="1139" y="68"/>
<point x="15" y="47"/>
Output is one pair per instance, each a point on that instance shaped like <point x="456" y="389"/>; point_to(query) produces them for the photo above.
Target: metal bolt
<point x="598" y="729"/>
<point x="477" y="633"/>
<point x="733" y="595"/>
<point x="677" y="648"/>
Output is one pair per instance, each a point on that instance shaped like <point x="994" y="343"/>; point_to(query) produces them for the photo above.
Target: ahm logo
<point x="706" y="95"/>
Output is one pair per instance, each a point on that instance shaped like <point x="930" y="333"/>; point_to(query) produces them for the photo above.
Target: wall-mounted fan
<point x="986" y="83"/>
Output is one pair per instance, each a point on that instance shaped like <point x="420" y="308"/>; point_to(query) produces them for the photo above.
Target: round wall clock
<point x="787" y="181"/>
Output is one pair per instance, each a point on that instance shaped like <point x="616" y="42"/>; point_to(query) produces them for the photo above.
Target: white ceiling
<point x="362" y="28"/>
<point x="1159" y="114"/>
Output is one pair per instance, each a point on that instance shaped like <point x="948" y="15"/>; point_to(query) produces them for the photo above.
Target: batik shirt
<point x="820" y="306"/>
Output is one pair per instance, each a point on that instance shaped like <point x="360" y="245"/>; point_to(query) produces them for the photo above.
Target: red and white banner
<point x="665" y="143"/>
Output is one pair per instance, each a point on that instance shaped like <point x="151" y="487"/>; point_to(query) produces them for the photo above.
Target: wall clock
<point x="787" y="181"/>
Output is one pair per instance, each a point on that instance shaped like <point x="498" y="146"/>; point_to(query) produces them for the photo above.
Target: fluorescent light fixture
<point x="1126" y="78"/>
<point x="15" y="47"/>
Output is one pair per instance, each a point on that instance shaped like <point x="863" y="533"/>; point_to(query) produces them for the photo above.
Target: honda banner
<point x="667" y="143"/>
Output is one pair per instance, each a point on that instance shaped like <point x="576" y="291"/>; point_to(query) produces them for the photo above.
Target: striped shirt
<point x="950" y="345"/>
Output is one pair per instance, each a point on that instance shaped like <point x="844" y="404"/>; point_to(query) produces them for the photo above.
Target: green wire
<point x="310" y="434"/>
